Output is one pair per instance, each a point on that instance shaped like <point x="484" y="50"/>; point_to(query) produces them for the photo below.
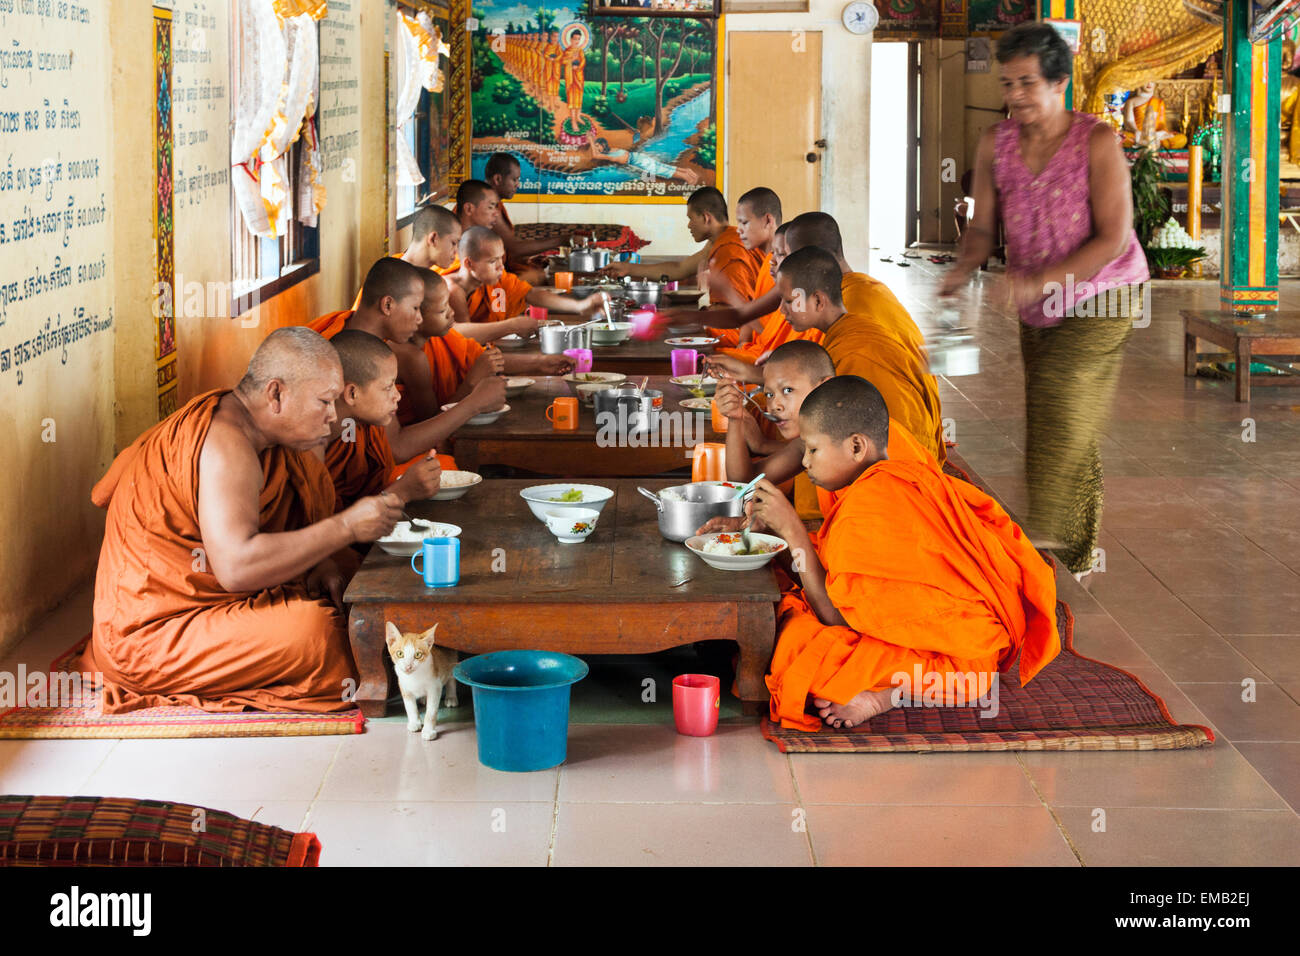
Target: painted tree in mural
<point x="678" y="33"/>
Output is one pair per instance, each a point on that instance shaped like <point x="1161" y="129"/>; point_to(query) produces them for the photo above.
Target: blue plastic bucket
<point x="521" y="706"/>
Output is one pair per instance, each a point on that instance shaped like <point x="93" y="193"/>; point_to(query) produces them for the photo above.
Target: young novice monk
<point x="358" y="455"/>
<point x="912" y="572"/>
<point x="484" y="296"/>
<point x="758" y="217"/>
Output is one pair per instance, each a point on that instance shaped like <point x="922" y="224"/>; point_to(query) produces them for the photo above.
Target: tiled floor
<point x="1200" y="598"/>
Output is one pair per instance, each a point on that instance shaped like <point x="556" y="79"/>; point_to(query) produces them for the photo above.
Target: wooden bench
<point x="1248" y="339"/>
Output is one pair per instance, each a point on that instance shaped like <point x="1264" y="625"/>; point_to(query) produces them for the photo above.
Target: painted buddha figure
<point x="1144" y="121"/>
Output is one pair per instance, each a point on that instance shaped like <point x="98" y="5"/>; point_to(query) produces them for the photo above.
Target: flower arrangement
<point x="1172" y="250"/>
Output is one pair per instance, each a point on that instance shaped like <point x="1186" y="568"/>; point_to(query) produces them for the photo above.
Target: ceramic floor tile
<point x="680" y="834"/>
<point x="1199" y="657"/>
<point x="1211" y="778"/>
<point x="655" y="764"/>
<point x="52" y="767"/>
<point x="1101" y="638"/>
<point x="1279" y="764"/>
<point x="201" y="770"/>
<point x="390" y="763"/>
<point x="1272" y="716"/>
<point x="1157" y="612"/>
<point x="1181" y="708"/>
<point x="432" y="834"/>
<point x="1273" y="612"/>
<point x="1276" y="655"/>
<point x="1144" y="836"/>
<point x="937" y="836"/>
<point x="936" y="779"/>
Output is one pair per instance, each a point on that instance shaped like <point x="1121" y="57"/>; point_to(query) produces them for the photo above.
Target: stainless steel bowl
<point x="680" y="517"/>
<point x="556" y="338"/>
<point x="631" y="413"/>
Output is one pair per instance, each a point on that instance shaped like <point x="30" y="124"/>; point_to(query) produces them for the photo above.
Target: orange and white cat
<point x="423" y="671"/>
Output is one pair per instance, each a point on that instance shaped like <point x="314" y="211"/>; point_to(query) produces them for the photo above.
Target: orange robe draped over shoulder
<point x="862" y="345"/>
<point x="331" y="324"/>
<point x="361" y="467"/>
<point x="931" y="574"/>
<point x="739" y="266"/>
<point x="166" y="632"/>
<point x="492" y="303"/>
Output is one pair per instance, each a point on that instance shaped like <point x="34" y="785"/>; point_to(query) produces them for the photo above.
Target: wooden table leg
<point x="366" y="633"/>
<point x="756" y="635"/>
<point x="1243" y="369"/>
<point x="1189" y="354"/>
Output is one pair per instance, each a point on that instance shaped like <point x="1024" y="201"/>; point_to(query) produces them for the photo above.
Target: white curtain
<point x="279" y="73"/>
<point x="418" y="46"/>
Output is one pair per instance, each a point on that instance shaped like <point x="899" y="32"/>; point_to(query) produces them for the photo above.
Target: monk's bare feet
<point x="861" y="708"/>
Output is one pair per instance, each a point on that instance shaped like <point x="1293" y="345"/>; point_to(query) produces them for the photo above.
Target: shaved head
<point x="498" y="164"/>
<point x="472" y="192"/>
<point x="761" y="202"/>
<point x="813" y="269"/>
<point x="391" y="277"/>
<point x="361" y="355"/>
<point x="815" y="229"/>
<point x="846" y="405"/>
<point x="292" y="355"/>
<point x="808" y="357"/>
<point x="432" y="280"/>
<point x="708" y="200"/>
<point x="437" y="219"/>
<point x="476" y="242"/>
<point x="782" y="229"/>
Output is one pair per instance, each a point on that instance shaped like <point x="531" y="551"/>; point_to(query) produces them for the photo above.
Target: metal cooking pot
<point x="631" y="413"/>
<point x="680" y="517"/>
<point x="588" y="260"/>
<point x="556" y="338"/>
<point x="644" y="293"/>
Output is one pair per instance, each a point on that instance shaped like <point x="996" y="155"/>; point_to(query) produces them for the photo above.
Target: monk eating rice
<point x="912" y="572"/>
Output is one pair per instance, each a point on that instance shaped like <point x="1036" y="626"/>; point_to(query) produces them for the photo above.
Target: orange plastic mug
<point x="563" y="281"/>
<point x="710" y="462"/>
<point x="563" y="414"/>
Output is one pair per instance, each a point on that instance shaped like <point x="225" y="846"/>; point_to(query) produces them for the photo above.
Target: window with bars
<point x="261" y="267"/>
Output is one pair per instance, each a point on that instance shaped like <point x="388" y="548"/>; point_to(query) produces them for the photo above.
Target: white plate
<point x="446" y="493"/>
<point x="515" y="386"/>
<point x="697" y="404"/>
<point x="406" y="546"/>
<point x="511" y="341"/>
<point x="700" y="343"/>
<point x="539" y="497"/>
<point x="591" y="378"/>
<point x="688" y="382"/>
<point x="735" y="562"/>
<point x="485" y="418"/>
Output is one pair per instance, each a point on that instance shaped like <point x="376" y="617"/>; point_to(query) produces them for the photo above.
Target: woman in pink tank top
<point x="1058" y="184"/>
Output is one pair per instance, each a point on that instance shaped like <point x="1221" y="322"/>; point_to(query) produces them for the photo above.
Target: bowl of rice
<point x="455" y="484"/>
<point x="482" y="418"/>
<point x="725" y="550"/>
<point x="406" y="538"/>
<point x="517" y="386"/>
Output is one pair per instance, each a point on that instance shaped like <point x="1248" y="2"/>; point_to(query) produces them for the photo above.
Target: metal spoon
<point x="761" y="410"/>
<point x="416" y="521"/>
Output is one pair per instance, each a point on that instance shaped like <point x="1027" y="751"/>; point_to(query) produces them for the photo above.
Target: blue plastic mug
<point x="441" y="559"/>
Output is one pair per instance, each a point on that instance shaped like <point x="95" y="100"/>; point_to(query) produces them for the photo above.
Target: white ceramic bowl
<point x="462" y="481"/>
<point x="705" y="382"/>
<point x="405" y="540"/>
<point x="539" y="497"/>
<point x="610" y="334"/>
<point x="571" y="525"/>
<point x="735" y="562"/>
<point x="587" y="392"/>
<point x="484" y="418"/>
<point x="701" y="343"/>
<point x="517" y="386"/>
<point x="511" y="341"/>
<point x="591" y="378"/>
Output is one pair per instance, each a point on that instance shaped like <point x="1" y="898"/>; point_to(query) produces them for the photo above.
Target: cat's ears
<point x="428" y="635"/>
<point x="391" y="634"/>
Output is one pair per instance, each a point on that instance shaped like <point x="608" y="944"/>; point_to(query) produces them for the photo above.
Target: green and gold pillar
<point x="1252" y="78"/>
<point x="1060" y="10"/>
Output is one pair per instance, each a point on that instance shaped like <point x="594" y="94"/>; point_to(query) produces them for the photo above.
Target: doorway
<point x="895" y="145"/>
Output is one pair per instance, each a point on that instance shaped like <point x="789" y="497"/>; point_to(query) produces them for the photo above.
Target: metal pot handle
<point x="652" y="496"/>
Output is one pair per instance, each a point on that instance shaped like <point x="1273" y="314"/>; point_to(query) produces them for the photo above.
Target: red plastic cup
<point x="696" y="699"/>
<point x="537" y="313"/>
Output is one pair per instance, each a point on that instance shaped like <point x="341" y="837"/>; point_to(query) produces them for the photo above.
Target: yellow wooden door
<point x="773" y="123"/>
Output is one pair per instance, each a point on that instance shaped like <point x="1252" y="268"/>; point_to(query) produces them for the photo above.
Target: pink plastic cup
<point x="684" y="362"/>
<point x="581" y="359"/>
<point x="643" y="324"/>
<point x="537" y="312"/>
<point x="696" y="700"/>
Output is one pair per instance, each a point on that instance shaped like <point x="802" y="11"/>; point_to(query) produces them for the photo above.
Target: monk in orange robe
<point x="758" y="218"/>
<point x="484" y="295"/>
<point x="914" y="575"/>
<point x="524" y="257"/>
<point x="358" y="456"/>
<point x="554" y="54"/>
<point x="216" y="587"/>
<point x="810" y="282"/>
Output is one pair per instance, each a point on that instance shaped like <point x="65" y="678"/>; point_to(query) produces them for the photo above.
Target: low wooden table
<point x="625" y="590"/>
<point x="525" y="438"/>
<point x="1276" y="335"/>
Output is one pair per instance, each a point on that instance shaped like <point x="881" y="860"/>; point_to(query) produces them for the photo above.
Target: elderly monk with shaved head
<point x="215" y="585"/>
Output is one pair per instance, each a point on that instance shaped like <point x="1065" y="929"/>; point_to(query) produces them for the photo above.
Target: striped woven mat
<point x="84" y="720"/>
<point x="1075" y="703"/>
<point x="118" y="831"/>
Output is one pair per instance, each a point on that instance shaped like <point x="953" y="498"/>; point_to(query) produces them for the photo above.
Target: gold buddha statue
<point x="1290" y="97"/>
<point x="1144" y="121"/>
